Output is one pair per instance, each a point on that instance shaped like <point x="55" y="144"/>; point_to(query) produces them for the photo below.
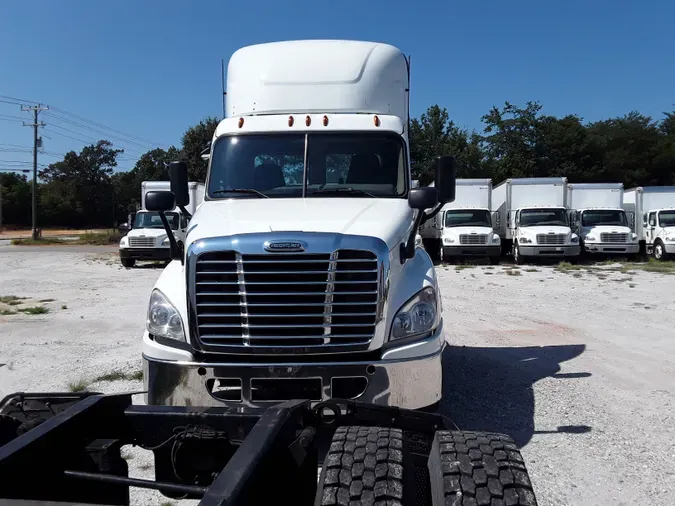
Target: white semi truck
<point x="148" y="239"/>
<point x="598" y="218"/>
<point x="464" y="227"/>
<point x="651" y="209"/>
<point x="300" y="275"/>
<point x="531" y="215"/>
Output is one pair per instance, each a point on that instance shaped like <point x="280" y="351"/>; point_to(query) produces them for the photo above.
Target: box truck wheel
<point x="366" y="465"/>
<point x="517" y="257"/>
<point x="477" y="468"/>
<point x="659" y="250"/>
<point x="128" y="262"/>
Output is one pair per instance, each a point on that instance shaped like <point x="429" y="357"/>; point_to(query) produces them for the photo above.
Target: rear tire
<point x="478" y="468"/>
<point x="128" y="262"/>
<point x="366" y="465"/>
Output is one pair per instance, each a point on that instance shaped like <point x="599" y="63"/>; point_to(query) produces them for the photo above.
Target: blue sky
<point x="151" y="68"/>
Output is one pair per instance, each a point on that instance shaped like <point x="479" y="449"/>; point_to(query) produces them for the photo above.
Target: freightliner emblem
<point x="281" y="246"/>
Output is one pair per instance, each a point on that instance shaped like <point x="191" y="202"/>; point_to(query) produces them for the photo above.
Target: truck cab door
<point x="650" y="228"/>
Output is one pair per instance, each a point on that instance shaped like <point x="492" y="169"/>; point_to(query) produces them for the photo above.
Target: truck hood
<point x="387" y="219"/>
<point x="543" y="229"/>
<point x="146" y="232"/>
<point x="454" y="231"/>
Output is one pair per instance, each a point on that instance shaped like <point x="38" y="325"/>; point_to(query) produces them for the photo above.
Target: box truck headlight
<point x="634" y="237"/>
<point x="589" y="238"/>
<point x="124" y="241"/>
<point x="495" y="239"/>
<point x="574" y="238"/>
<point x="417" y="316"/>
<point x="163" y="319"/>
<point x="524" y="240"/>
<point x="670" y="238"/>
<point x="165" y="242"/>
<point x="448" y="240"/>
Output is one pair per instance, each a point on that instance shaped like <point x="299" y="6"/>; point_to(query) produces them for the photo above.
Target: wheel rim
<point x="658" y="252"/>
<point x="516" y="253"/>
<point x="440" y="253"/>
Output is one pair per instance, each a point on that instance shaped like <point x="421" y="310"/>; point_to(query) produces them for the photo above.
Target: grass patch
<point x="567" y="267"/>
<point x="12" y="300"/>
<point x="34" y="310"/>
<point x="577" y="274"/>
<point x="513" y="272"/>
<point x="47" y="300"/>
<point x="531" y="270"/>
<point x="78" y="386"/>
<point x="88" y="238"/>
<point x="64" y="306"/>
<point x="631" y="285"/>
<point x="461" y="267"/>
<point x="119" y="376"/>
<point x="489" y="273"/>
<point x="656" y="266"/>
<point x="490" y="267"/>
<point x="6" y="312"/>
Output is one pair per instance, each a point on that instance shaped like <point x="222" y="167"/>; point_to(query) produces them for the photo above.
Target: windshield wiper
<point x="241" y="190"/>
<point x="343" y="190"/>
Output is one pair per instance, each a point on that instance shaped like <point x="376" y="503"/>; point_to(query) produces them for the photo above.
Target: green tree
<point x="16" y="199"/>
<point x="194" y="140"/>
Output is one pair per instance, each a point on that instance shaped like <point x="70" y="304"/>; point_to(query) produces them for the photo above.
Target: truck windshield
<point x="312" y="165"/>
<point x="598" y="217"/>
<point x="468" y="218"/>
<point x="148" y="219"/>
<point x="667" y="218"/>
<point x="534" y="217"/>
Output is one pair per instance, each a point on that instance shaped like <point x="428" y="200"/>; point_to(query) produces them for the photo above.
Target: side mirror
<point x="178" y="173"/>
<point x="445" y="179"/>
<point x="422" y="198"/>
<point x="160" y="201"/>
<point x="206" y="152"/>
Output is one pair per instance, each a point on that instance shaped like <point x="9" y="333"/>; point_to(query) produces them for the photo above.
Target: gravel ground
<point x="576" y="365"/>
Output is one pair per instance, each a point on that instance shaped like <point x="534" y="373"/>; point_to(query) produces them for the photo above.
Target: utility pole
<point x="36" y="141"/>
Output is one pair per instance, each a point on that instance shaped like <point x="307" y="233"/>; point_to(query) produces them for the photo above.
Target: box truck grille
<point x="551" y="239"/>
<point x="142" y="242"/>
<point x="614" y="238"/>
<point x="277" y="300"/>
<point x="473" y="239"/>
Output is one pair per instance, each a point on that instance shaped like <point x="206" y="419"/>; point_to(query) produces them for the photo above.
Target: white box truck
<point x="147" y="239"/>
<point x="651" y="210"/>
<point x="464" y="227"/>
<point x="531" y="215"/>
<point x="598" y="218"/>
<point x="300" y="276"/>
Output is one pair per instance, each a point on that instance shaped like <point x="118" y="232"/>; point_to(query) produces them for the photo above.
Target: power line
<point x="18" y="99"/>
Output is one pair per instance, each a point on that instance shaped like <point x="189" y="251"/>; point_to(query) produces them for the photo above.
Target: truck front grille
<point x="284" y="300"/>
<point x="473" y="239"/>
<point x="613" y="238"/>
<point x="142" y="242"/>
<point x="551" y="239"/>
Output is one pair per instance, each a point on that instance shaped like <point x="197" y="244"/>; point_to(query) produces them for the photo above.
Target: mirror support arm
<point x="173" y="245"/>
<point x="185" y="212"/>
<point x="408" y="248"/>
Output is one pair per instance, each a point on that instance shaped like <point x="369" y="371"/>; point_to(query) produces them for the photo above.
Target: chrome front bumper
<point x="549" y="251"/>
<point x="628" y="248"/>
<point x="406" y="383"/>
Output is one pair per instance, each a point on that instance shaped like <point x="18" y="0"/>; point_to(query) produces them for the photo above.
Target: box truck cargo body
<point x="651" y="211"/>
<point x="463" y="228"/>
<point x="300" y="271"/>
<point x="531" y="216"/>
<point x="147" y="239"/>
<point x="598" y="217"/>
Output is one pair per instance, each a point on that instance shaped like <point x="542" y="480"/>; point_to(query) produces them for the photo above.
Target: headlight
<point x="448" y="240"/>
<point x="495" y="239"/>
<point x="634" y="236"/>
<point x="670" y="238"/>
<point x="417" y="316"/>
<point x="124" y="241"/>
<point x="574" y="238"/>
<point x="589" y="238"/>
<point x="524" y="240"/>
<point x="165" y="242"/>
<point x="163" y="319"/>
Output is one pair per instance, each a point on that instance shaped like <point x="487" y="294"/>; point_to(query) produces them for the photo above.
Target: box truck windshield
<point x="609" y="217"/>
<point x="310" y="165"/>
<point x="147" y="219"/>
<point x="467" y="218"/>
<point x="536" y="217"/>
<point x="667" y="218"/>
